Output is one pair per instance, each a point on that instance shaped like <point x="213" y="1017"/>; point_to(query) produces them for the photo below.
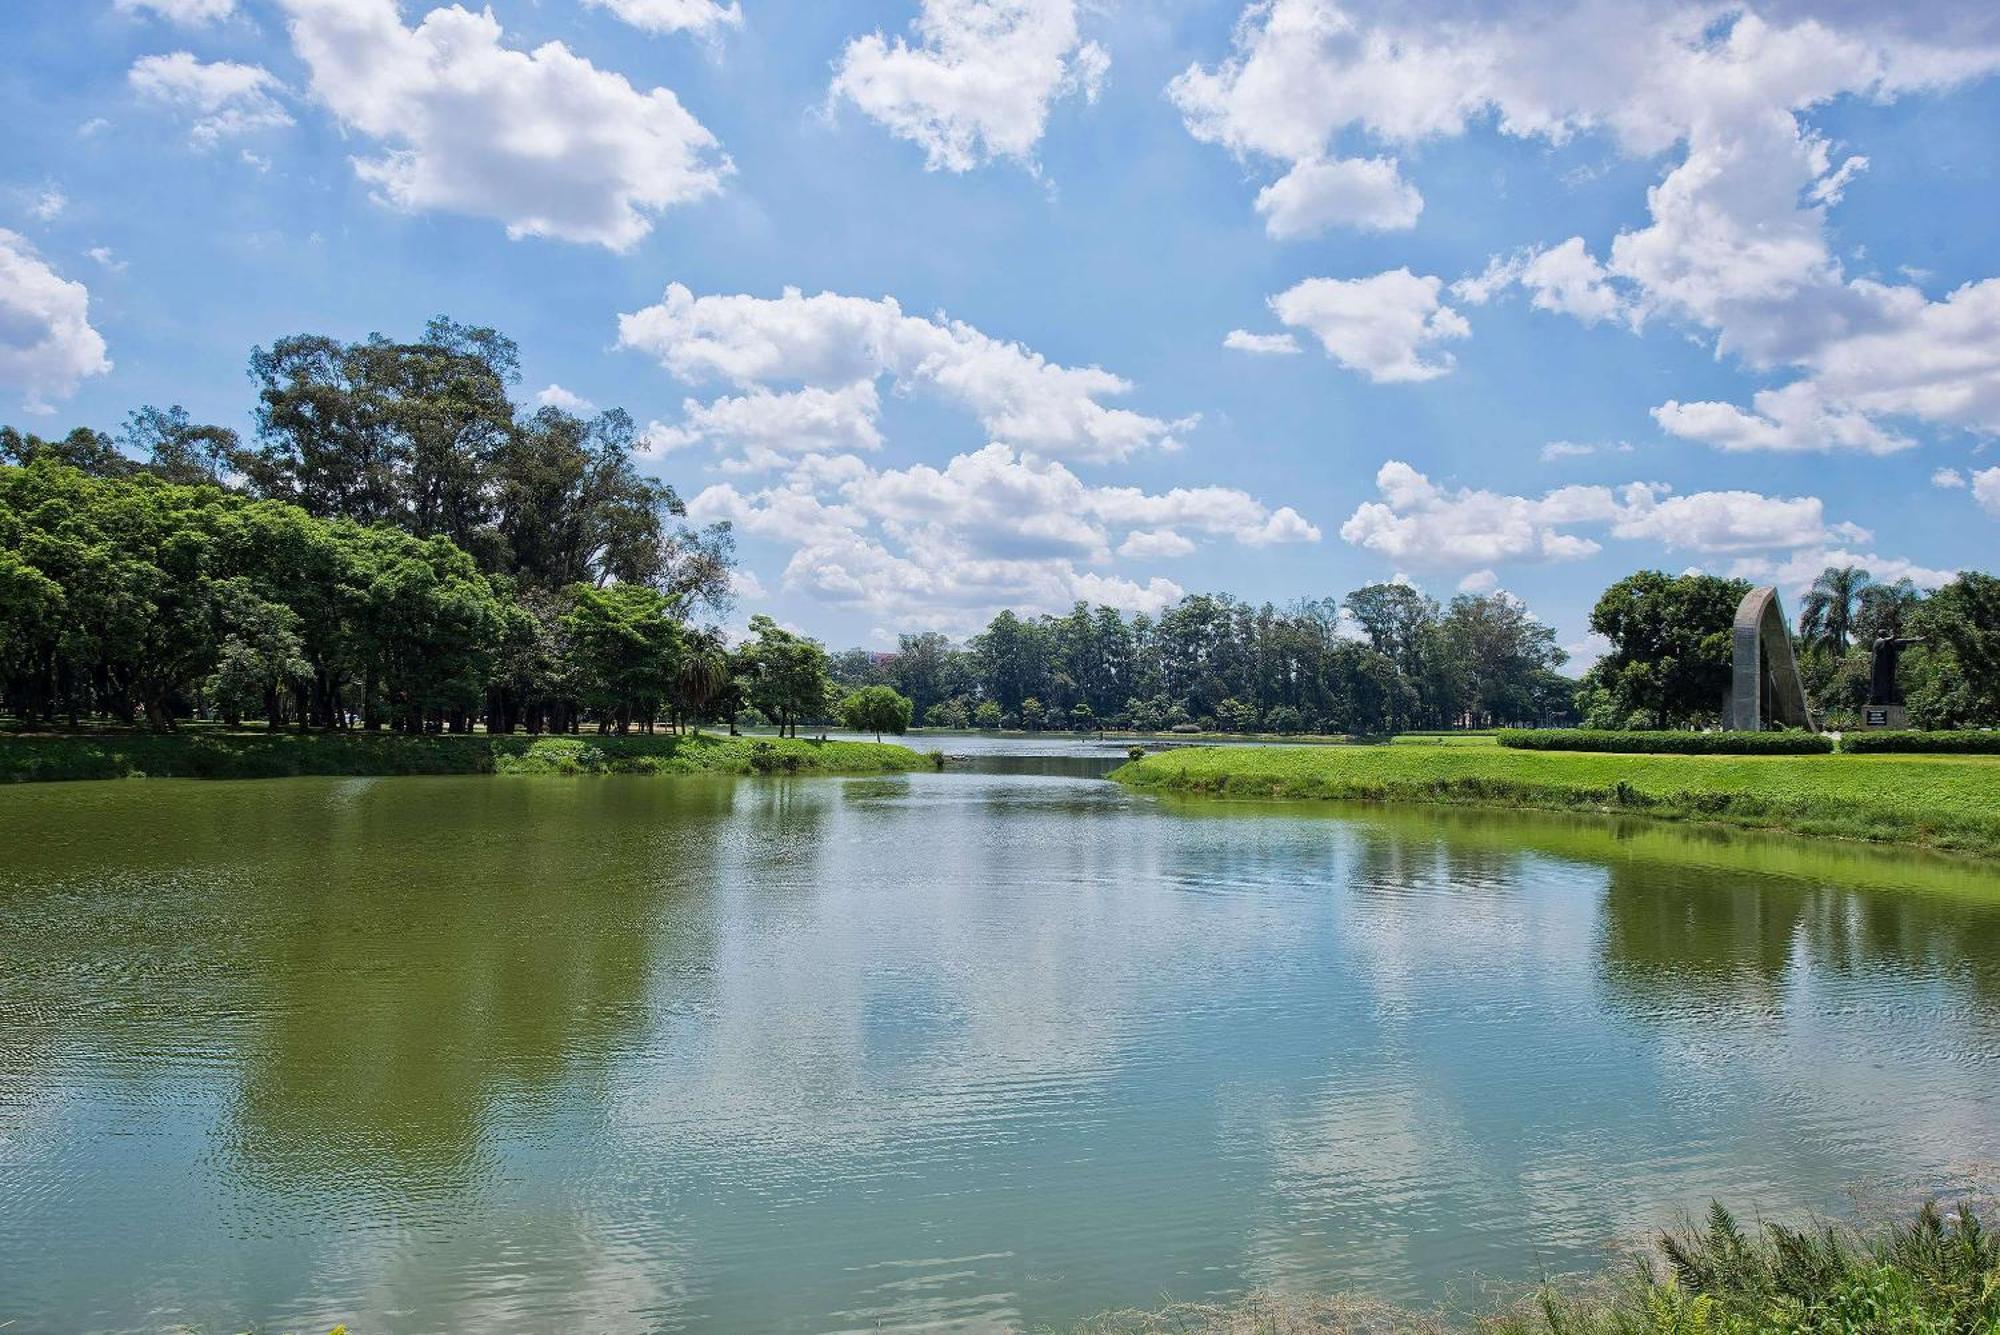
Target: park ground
<point x="1943" y="802"/>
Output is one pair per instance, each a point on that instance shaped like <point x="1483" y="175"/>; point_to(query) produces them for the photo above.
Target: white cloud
<point x="1380" y="326"/>
<point x="222" y="99"/>
<point x="49" y="204"/>
<point x="1736" y="245"/>
<point x="542" y="141"/>
<point x="1794" y="573"/>
<point x="1422" y="524"/>
<point x="1368" y="194"/>
<point x="190" y="12"/>
<point x="659" y="16"/>
<point x="1986" y="490"/>
<point x="108" y="258"/>
<point x="950" y="546"/>
<point x="1263" y="345"/>
<point x="1154" y="545"/>
<point x="1571" y="449"/>
<point x="834" y="343"/>
<point x="1479" y="581"/>
<point x="978" y="81"/>
<point x="763" y="428"/>
<point x="1948" y="478"/>
<point x="1794" y="418"/>
<point x="555" y="396"/>
<point x="47" y="346"/>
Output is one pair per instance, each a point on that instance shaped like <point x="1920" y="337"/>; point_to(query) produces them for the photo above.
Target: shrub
<point x="1934" y="743"/>
<point x="1668" y="743"/>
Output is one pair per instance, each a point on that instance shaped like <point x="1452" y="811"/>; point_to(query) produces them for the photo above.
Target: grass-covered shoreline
<point x="1944" y="802"/>
<point x="1937" y="1275"/>
<point x="207" y="754"/>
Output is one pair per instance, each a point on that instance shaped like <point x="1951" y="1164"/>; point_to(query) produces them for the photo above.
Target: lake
<point x="988" y="1049"/>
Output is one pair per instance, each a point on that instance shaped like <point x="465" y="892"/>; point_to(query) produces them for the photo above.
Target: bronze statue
<point x="1882" y="687"/>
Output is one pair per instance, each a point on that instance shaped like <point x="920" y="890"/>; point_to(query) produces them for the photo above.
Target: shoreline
<point x="1950" y="804"/>
<point x="67" y="757"/>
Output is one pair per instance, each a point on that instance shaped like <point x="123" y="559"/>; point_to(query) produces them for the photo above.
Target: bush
<point x="1668" y="743"/>
<point x="1933" y="743"/>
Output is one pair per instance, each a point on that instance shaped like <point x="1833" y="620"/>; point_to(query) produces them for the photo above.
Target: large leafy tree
<point x="1670" y="654"/>
<point x="1958" y="667"/>
<point x="626" y="646"/>
<point x="876" y="709"/>
<point x="784" y="675"/>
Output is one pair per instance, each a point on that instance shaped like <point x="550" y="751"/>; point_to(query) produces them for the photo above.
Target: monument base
<point x="1884" y="718"/>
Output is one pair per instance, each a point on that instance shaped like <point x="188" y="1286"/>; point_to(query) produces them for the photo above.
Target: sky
<point x="955" y="305"/>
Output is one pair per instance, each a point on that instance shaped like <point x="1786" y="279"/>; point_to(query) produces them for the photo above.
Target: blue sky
<point x="1517" y="295"/>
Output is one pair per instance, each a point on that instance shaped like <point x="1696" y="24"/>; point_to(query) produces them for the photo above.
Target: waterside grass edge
<point x="233" y="755"/>
<point x="1943" y="802"/>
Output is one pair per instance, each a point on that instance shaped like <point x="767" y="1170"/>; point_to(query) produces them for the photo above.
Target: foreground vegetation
<point x="1947" y="802"/>
<point x="199" y="754"/>
<point x="1939" y="1275"/>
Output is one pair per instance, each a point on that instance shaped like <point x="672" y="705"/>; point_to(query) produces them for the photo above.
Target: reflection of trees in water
<point x="406" y="979"/>
<point x="1672" y="937"/>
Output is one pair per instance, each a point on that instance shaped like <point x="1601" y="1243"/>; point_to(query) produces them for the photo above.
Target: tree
<point x="178" y="449"/>
<point x="783" y="675"/>
<point x="876" y="709"/>
<point x="703" y="676"/>
<point x="1958" y="668"/>
<point x="261" y="658"/>
<point x="1826" y="617"/>
<point x="987" y="715"/>
<point x="627" y="647"/>
<point x="1671" y="647"/>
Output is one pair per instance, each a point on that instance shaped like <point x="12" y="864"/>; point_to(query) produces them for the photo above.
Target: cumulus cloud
<point x="1479" y="581"/>
<point x="1262" y="345"/>
<point x="1381" y="326"/>
<point x="221" y="99"/>
<point x="47" y="345"/>
<point x="1794" y="418"/>
<point x="555" y="396"/>
<point x="541" y="141"/>
<point x="49" y="204"/>
<point x="1736" y="246"/>
<point x="660" y="16"/>
<point x="1368" y="194"/>
<point x="990" y="529"/>
<point x="1795" y="572"/>
<point x="190" y="12"/>
<point x="1422" y="524"/>
<point x="833" y="344"/>
<point x="1947" y="479"/>
<point x="758" y="430"/>
<point x="978" y="81"/>
<point x="1986" y="490"/>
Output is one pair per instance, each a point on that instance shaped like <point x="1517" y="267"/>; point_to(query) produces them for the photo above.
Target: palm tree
<point x="1827" y="615"/>
<point x="704" y="672"/>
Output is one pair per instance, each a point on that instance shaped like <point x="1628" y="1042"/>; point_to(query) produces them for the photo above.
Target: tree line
<point x="1384" y="658"/>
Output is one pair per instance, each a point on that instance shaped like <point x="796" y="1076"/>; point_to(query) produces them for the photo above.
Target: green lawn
<point x="211" y="754"/>
<point x="1950" y="802"/>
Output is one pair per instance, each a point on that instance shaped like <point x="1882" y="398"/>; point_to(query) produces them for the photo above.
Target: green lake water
<point x="989" y="1049"/>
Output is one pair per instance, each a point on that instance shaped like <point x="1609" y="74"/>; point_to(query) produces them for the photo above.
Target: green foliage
<point x="1943" y="802"/>
<point x="1668" y="743"/>
<point x="1670" y="654"/>
<point x="1933" y="743"/>
<point x="784" y="675"/>
<point x="876" y="709"/>
<point x="625" y="648"/>
<point x="196" y="754"/>
<point x="1958" y="676"/>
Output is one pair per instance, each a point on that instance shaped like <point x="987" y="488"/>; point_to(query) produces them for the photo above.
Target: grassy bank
<point x="230" y="755"/>
<point x="1947" y="802"/>
<point x="1939" y="1275"/>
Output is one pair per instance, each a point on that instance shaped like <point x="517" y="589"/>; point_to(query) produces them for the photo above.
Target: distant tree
<point x="262" y="657"/>
<point x="1885" y="607"/>
<point x="701" y="677"/>
<point x="876" y="709"/>
<point x="987" y="715"/>
<point x="1826" y="617"/>
<point x="1032" y="714"/>
<point x="178" y="449"/>
<point x="83" y="449"/>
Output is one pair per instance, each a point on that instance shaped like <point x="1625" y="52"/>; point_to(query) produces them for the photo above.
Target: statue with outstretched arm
<point x="1882" y="687"/>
